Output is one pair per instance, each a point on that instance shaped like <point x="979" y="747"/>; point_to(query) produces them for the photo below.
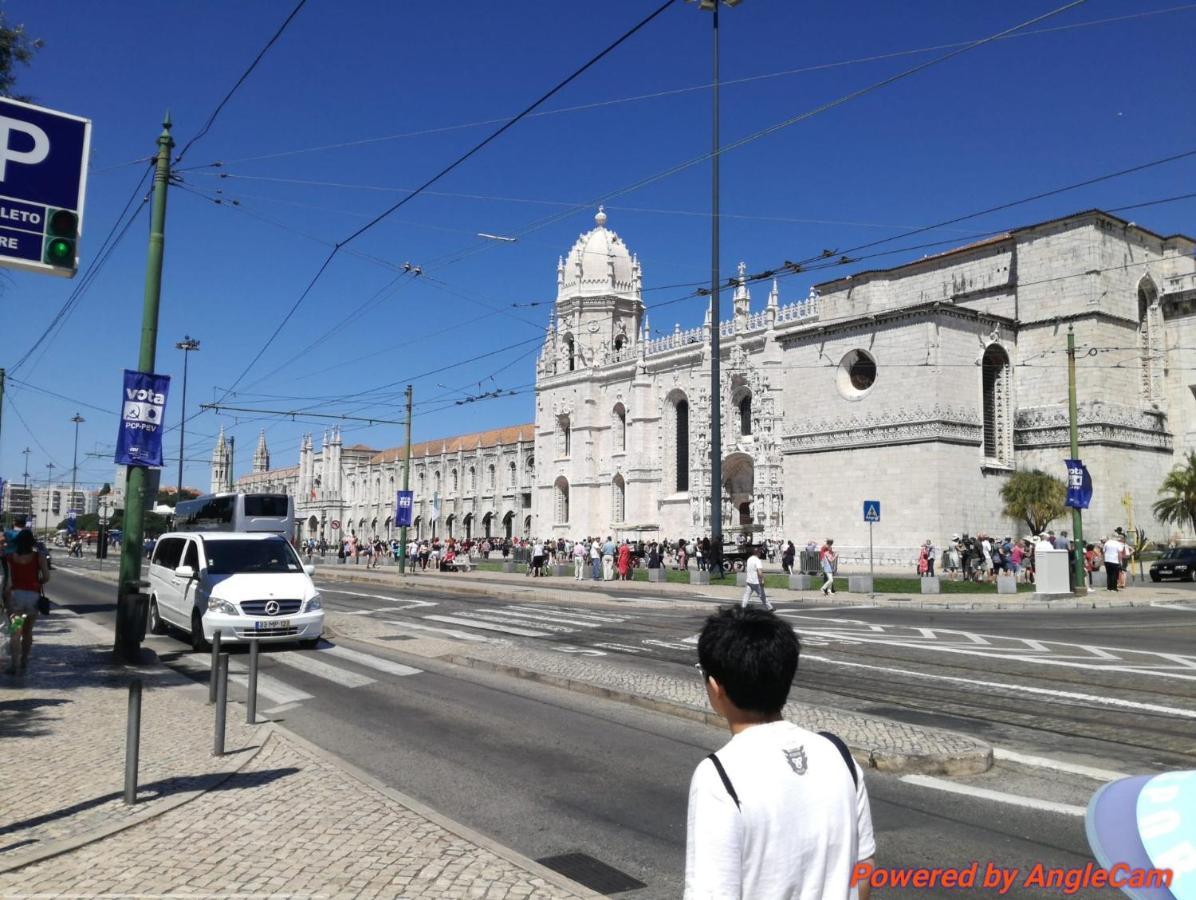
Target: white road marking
<point x="408" y="602"/>
<point x="369" y="660"/>
<point x="560" y="619"/>
<point x="591" y="616"/>
<point x="404" y="625"/>
<point x="1044" y="762"/>
<point x="1021" y="688"/>
<point x="670" y="645"/>
<point x="498" y="617"/>
<point x="487" y="626"/>
<point x="1177" y="605"/>
<point x="621" y="648"/>
<point x="343" y="677"/>
<point x="951" y="787"/>
<point x="364" y="612"/>
<point x="267" y="685"/>
<point x="1100" y="653"/>
<point x="275" y="710"/>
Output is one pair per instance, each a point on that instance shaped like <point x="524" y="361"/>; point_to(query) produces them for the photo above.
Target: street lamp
<point x="716" y="419"/>
<point x="50" y="467"/>
<point x="187" y="344"/>
<point x="78" y="420"/>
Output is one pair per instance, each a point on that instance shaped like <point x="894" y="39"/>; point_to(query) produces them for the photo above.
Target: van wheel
<point x="198" y="644"/>
<point x="156" y="625"/>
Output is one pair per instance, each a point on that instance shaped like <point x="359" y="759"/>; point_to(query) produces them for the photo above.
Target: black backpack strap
<point x="845" y="753"/>
<point x="722" y="773"/>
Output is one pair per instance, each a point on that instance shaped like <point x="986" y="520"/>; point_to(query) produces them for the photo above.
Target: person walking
<point x="931" y="553"/>
<point x="1115" y="552"/>
<point x="579" y="559"/>
<point x="788" y="555"/>
<point x="608" y="559"/>
<point x="595" y="560"/>
<point x="28" y="572"/>
<point x="828" y="559"/>
<point x="753" y="582"/>
<point x="624" y="561"/>
<point x="778" y="811"/>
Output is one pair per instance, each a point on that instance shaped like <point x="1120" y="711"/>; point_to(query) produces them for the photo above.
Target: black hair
<point x="753" y="654"/>
<point x="25" y="543"/>
<point x="19" y="522"/>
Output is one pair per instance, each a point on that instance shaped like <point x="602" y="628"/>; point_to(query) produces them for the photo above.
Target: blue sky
<point x="998" y="123"/>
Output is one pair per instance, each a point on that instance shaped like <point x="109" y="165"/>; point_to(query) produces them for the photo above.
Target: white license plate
<point x="271" y="624"/>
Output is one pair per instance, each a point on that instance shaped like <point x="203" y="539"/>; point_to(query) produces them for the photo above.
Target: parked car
<point x="1177" y="562"/>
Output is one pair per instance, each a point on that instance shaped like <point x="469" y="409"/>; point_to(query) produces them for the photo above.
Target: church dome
<point x="598" y="265"/>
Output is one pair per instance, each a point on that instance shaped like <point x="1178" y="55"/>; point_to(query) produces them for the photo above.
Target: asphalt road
<point x="549" y="772"/>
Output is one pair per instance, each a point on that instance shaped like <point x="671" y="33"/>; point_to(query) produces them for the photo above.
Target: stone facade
<point x="923" y="386"/>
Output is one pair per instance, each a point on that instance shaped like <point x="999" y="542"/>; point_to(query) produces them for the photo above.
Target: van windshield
<point x="237" y="557"/>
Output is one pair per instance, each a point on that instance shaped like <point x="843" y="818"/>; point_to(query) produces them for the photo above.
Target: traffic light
<point x="62" y="231"/>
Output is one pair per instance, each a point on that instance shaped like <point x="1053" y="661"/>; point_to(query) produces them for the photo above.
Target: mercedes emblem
<point x="272" y="607"/>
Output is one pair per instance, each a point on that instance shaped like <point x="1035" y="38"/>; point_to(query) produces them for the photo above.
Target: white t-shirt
<point x="800" y="829"/>
<point x="755" y="566"/>
<point x="1113" y="551"/>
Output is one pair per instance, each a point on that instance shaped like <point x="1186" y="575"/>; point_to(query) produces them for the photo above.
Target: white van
<point x="246" y="585"/>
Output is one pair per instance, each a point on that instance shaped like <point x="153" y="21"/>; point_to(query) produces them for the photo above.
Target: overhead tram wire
<point x="114" y="236"/>
<point x="763" y="132"/>
<point x="244" y="75"/>
<point x="445" y="171"/>
<point x="599" y="104"/>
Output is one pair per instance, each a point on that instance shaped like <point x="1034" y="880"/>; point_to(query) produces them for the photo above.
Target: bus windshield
<point x="241" y="557"/>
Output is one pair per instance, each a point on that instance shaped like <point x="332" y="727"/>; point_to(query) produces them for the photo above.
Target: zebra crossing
<point x="486" y="625"/>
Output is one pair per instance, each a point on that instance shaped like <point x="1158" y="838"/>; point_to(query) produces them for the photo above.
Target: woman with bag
<point x="27" y="573"/>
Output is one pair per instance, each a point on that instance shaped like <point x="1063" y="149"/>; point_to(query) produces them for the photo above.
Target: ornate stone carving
<point x="1099" y="422"/>
<point x="907" y="425"/>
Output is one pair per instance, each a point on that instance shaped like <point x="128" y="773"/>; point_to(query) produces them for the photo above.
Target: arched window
<point x="570" y="353"/>
<point x="453" y="480"/>
<point x="745" y="415"/>
<point x="1149" y="331"/>
<point x="619" y="426"/>
<point x="682" y="445"/>
<point x="562" y="500"/>
<point x="512" y="474"/>
<point x="490" y="479"/>
<point x="473" y="479"/>
<point x="618" y="499"/>
<point x="995" y="385"/>
<point x="419" y="480"/>
<point x="436" y="481"/>
<point x="564" y="435"/>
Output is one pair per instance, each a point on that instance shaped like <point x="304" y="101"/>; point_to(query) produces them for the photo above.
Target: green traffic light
<point x="60" y="252"/>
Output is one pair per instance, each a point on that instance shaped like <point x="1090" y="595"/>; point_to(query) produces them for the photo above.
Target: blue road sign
<point x="871" y="510"/>
<point x="43" y="171"/>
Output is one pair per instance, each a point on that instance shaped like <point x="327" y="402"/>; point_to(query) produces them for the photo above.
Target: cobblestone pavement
<point x="291" y="820"/>
<point x="882" y="743"/>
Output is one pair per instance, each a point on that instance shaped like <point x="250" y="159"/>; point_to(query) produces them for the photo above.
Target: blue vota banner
<point x="1079" y="484"/>
<point x="143" y="406"/>
<point x="404" y="504"/>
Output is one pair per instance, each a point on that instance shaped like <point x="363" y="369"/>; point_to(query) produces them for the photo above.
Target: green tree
<point x="106" y="489"/>
<point x="1034" y="497"/>
<point x="1177" y="495"/>
<point x="16" y="47"/>
<point x="171" y="497"/>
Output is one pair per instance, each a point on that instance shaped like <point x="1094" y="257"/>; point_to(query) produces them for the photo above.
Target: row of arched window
<point x="457" y="481"/>
<point x="618" y="500"/>
<point x="564" y="430"/>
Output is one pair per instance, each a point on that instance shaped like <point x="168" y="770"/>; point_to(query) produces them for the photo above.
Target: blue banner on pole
<point x="143" y="406"/>
<point x="1079" y="484"/>
<point x="404" y="504"/>
<point x="71" y="523"/>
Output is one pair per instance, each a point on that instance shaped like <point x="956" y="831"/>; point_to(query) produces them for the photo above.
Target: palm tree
<point x="1034" y="497"/>
<point x="1177" y="495"/>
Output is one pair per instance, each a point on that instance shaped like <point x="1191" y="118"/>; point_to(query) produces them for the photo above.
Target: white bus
<point x="274" y="513"/>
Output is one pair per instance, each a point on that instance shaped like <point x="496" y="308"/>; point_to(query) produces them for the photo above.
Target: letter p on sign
<point x="8" y="153"/>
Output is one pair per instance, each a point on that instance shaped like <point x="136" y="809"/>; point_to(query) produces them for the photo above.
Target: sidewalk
<point x="274" y="815"/>
<point x="519" y="586"/>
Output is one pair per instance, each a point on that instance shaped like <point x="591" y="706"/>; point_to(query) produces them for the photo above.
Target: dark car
<point x="1178" y="562"/>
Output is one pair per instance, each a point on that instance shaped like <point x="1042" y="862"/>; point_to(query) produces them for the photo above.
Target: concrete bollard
<point x="696" y="577"/>
<point x="508" y="567"/>
<point x="132" y="741"/>
<point x="859" y="584"/>
<point x="560" y="571"/>
<point x="657" y="575"/>
<point x="215" y="666"/>
<point x="804" y="582"/>
<point x="931" y="584"/>
<point x="1006" y="584"/>
<point x="221" y="703"/>
<point x="251" y="698"/>
<point x="740" y="579"/>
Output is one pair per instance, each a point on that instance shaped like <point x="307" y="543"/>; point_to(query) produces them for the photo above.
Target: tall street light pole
<point x="716" y="418"/>
<point x="187" y="344"/>
<point x="78" y="420"/>
<point x="50" y="467"/>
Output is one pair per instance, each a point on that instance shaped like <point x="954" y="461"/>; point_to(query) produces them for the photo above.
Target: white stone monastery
<point x="922" y="386"/>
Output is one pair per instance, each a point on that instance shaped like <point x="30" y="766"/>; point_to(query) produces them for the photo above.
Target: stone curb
<point x="500" y="590"/>
<point x="463" y="831"/>
<point x="972" y="762"/>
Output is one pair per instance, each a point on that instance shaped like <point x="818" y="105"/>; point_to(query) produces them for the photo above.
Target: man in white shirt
<point x="1115" y="552"/>
<point x="779" y="811"/>
<point x="754" y="580"/>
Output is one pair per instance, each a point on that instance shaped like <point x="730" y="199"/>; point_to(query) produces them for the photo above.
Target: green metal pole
<point x="1077" y="519"/>
<point x="128" y="629"/>
<point x="406" y="487"/>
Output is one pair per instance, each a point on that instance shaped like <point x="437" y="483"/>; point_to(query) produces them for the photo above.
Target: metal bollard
<point x="251" y="699"/>
<point x="132" y="741"/>
<point x="221" y="703"/>
<point x="215" y="663"/>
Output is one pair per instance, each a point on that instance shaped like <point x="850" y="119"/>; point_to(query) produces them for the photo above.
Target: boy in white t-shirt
<point x="779" y="811"/>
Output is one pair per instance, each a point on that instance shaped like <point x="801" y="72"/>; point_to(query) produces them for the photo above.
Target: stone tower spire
<point x="261" y="456"/>
<point x="220" y="463"/>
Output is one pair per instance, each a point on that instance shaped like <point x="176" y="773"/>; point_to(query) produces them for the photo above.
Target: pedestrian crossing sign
<point x="871" y="510"/>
